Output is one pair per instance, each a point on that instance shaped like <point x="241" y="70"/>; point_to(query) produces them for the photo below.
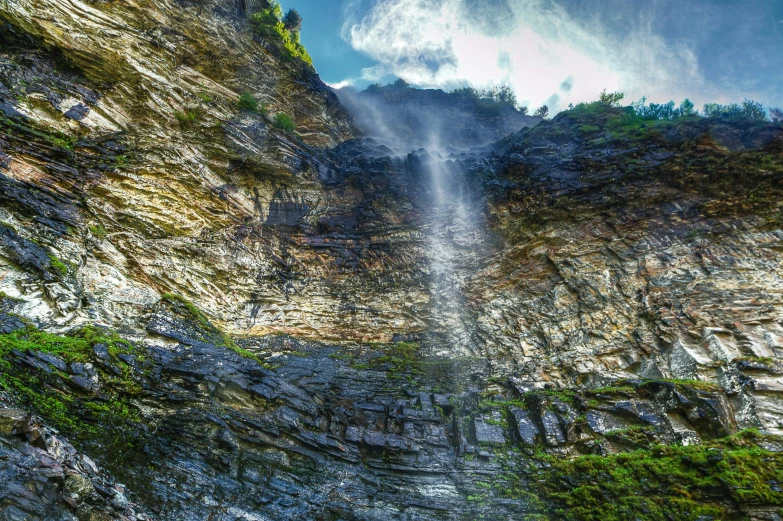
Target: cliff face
<point x="211" y="317"/>
<point x="406" y="118"/>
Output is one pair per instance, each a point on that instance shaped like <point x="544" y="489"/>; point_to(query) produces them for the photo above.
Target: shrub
<point x="284" y="122"/>
<point x="610" y="99"/>
<point x="502" y="95"/>
<point x="265" y="21"/>
<point x="753" y="110"/>
<point x="186" y="119"/>
<point x="748" y="109"/>
<point x="542" y="112"/>
<point x="664" y="111"/>
<point x="655" y="111"/>
<point x="247" y="102"/>
<point x="269" y="23"/>
<point x="776" y="114"/>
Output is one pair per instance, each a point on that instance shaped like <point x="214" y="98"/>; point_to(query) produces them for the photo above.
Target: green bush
<point x="502" y="95"/>
<point x="247" y="102"/>
<point x="610" y="99"/>
<point x="542" y="112"/>
<point x="186" y="119"/>
<point x="748" y="109"/>
<point x="687" y="108"/>
<point x="269" y="23"/>
<point x="284" y="122"/>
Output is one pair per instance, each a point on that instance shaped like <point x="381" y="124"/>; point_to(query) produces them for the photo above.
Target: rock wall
<point x="233" y="320"/>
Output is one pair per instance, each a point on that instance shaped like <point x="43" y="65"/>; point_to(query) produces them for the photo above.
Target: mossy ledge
<point x="711" y="481"/>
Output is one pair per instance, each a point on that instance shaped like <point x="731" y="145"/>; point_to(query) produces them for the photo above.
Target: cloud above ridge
<point x="535" y="46"/>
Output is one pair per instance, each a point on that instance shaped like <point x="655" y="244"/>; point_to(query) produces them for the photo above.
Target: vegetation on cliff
<point x="663" y="483"/>
<point x="284" y="31"/>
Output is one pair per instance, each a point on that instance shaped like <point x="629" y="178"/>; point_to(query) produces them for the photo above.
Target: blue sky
<point x="554" y="51"/>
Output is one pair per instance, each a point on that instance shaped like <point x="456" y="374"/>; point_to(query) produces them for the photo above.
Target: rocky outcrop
<point x="45" y="477"/>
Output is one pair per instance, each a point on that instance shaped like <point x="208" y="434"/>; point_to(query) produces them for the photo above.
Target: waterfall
<point x="453" y="241"/>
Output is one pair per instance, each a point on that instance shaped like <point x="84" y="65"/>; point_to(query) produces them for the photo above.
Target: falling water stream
<point x="453" y="243"/>
<point x="455" y="235"/>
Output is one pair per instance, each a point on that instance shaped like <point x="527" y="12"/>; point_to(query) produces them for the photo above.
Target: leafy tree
<point x="776" y="114"/>
<point x="542" y="112"/>
<point x="610" y="99"/>
<point x="753" y="110"/>
<point x="399" y="83"/>
<point x="503" y="95"/>
<point x="466" y="91"/>
<point x="265" y="21"/>
<point x="687" y="108"/>
<point x="656" y="111"/>
<point x="712" y="110"/>
<point x="748" y="109"/>
<point x="293" y="21"/>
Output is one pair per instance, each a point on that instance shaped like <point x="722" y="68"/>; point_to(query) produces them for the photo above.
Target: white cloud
<point x="532" y="45"/>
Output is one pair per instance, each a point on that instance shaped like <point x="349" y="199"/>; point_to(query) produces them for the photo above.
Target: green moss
<point x="399" y="360"/>
<point x="755" y="360"/>
<point x="664" y="482"/>
<point x="74" y="347"/>
<point x="42" y="392"/>
<point x="53" y="137"/>
<point x="4" y="296"/>
<point x="622" y="389"/>
<point x="695" y="384"/>
<point x="200" y="320"/>
<point x="192" y="312"/>
<point x="60" y="268"/>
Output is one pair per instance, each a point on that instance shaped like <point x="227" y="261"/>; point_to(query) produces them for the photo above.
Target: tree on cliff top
<point x="293" y="21"/>
<point x="542" y="112"/>
<point x="610" y="99"/>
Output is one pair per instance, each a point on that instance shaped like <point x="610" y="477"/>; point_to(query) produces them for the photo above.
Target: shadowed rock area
<point x="207" y="315"/>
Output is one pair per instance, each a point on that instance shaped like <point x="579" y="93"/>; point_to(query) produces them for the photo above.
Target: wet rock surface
<point x="314" y="433"/>
<point x="45" y="477"/>
<point x="203" y="316"/>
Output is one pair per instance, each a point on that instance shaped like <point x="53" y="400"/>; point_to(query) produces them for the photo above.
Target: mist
<point x="432" y="133"/>
<point x="406" y="119"/>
